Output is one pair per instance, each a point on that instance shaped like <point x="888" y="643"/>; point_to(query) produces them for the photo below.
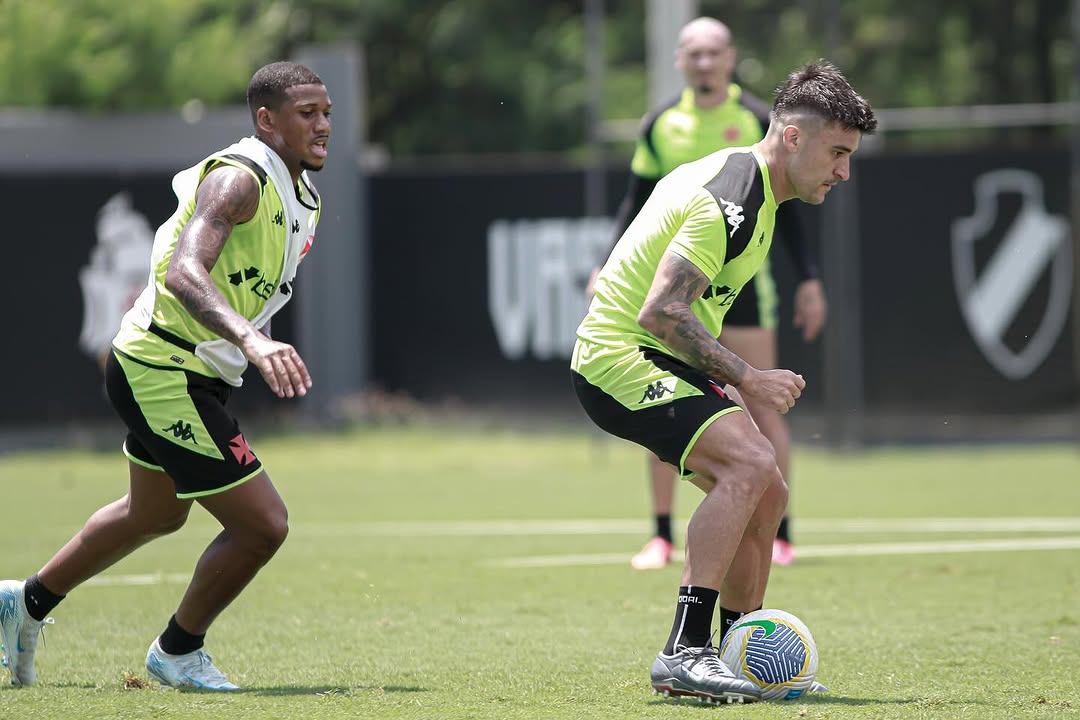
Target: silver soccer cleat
<point x="699" y="672"/>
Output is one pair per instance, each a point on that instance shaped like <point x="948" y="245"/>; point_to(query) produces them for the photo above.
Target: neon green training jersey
<point x="683" y="132"/>
<point x="717" y="213"/>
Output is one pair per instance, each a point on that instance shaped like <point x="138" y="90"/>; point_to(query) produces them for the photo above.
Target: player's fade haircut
<point x="821" y="89"/>
<point x="269" y="83"/>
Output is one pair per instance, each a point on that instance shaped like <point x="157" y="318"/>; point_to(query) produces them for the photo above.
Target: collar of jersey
<point x="769" y="197"/>
<point x="686" y="102"/>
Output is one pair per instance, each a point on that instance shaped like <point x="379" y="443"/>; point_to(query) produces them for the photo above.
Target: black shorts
<point x="667" y="427"/>
<point x="177" y="423"/>
<point x="757" y="303"/>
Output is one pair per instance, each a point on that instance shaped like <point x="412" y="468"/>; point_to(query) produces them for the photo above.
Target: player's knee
<point x="759" y="460"/>
<point x="270" y="533"/>
<point x="774" y="502"/>
<point x="171" y="524"/>
<point x="751" y="469"/>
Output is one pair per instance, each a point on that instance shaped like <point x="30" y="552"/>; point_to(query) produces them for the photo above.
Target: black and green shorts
<point x="656" y="401"/>
<point x="177" y="423"/>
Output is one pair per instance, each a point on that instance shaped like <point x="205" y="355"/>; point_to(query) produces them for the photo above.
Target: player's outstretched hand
<point x="810" y="308"/>
<point x="778" y="389"/>
<point x="281" y="366"/>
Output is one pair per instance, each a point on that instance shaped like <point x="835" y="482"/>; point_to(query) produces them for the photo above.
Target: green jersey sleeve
<point x="703" y="237"/>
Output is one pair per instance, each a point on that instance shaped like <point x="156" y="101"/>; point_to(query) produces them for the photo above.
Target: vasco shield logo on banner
<point x="1017" y="254"/>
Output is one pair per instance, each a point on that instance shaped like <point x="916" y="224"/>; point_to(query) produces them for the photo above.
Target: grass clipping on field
<point x="134" y="682"/>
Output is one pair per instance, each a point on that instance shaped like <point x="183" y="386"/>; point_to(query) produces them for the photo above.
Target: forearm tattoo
<point x="679" y="283"/>
<point x="225" y="199"/>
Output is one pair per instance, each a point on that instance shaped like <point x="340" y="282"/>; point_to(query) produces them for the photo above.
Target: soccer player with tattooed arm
<point x="648" y="366"/>
<point x="221" y="266"/>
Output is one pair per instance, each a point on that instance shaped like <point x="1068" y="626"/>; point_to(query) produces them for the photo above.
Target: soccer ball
<point x="774" y="650"/>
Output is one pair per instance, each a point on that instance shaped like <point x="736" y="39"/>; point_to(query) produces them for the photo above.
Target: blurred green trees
<point x="467" y="76"/>
<point x="143" y="55"/>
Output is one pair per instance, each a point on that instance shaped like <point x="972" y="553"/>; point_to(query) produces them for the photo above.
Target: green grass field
<point x="442" y="574"/>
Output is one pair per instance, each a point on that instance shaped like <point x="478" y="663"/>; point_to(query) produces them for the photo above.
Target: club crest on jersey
<point x="1001" y="254"/>
<point x="658" y="390"/>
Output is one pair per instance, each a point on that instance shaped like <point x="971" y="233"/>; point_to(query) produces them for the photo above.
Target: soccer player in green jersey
<point x="221" y="266"/>
<point x="713" y="112"/>
<point x="648" y="366"/>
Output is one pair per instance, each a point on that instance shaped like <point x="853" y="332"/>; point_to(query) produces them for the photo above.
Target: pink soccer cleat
<point x="655" y="555"/>
<point x="783" y="552"/>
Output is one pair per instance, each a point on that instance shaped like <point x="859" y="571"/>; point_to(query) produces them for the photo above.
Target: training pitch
<point x="432" y="573"/>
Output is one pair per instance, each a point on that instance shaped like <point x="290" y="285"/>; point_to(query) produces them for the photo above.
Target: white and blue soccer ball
<point x="774" y="650"/>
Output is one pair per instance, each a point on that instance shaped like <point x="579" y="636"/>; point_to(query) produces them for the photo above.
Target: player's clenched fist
<point x="778" y="389"/>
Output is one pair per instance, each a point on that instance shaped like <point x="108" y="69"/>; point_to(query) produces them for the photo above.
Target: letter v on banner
<point x="1024" y="251"/>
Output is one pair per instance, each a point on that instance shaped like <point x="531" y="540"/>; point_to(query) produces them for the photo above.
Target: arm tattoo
<point x="667" y="315"/>
<point x="226" y="198"/>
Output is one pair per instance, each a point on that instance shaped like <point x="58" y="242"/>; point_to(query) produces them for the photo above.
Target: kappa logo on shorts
<point x="241" y="450"/>
<point x="658" y="390"/>
<point x="181" y="431"/>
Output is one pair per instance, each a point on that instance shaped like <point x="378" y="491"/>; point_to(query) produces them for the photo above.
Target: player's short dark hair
<point x="820" y="88"/>
<point x="269" y="83"/>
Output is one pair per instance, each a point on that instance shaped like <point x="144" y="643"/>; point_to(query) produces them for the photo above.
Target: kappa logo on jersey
<point x="241" y="450"/>
<point x="262" y="287"/>
<point x="279" y="218"/>
<point x="733" y="212"/>
<point x="296" y="226"/>
<point x="658" y="390"/>
<point x="181" y="431"/>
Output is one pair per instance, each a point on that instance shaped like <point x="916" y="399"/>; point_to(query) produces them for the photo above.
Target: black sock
<point x="39" y="599"/>
<point x="693" y="618"/>
<point x="178" y="641"/>
<point x="782" y="531"/>
<point x="727" y="619"/>
<point x="663" y="527"/>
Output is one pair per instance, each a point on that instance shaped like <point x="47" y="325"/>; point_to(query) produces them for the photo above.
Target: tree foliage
<point x="136" y="56"/>
<point x="471" y="76"/>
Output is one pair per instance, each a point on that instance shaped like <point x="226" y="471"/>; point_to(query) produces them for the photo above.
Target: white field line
<point x="145" y="579"/>
<point x="641" y="526"/>
<point x="637" y="527"/>
<point x="812" y="551"/>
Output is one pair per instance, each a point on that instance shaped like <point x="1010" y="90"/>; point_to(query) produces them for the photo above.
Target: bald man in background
<point x="711" y="114"/>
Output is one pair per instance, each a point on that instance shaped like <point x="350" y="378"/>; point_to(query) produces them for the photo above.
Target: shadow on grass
<point x="834" y="700"/>
<point x="328" y="690"/>
<point x="38" y="686"/>
<point x="279" y="691"/>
